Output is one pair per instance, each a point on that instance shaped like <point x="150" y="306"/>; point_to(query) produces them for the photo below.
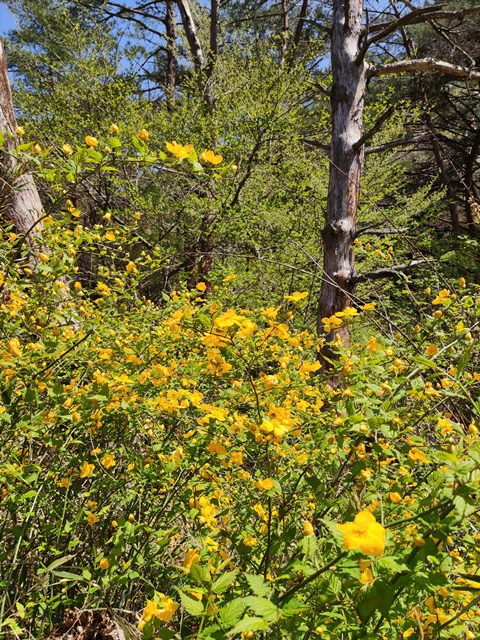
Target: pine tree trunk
<point x="171" y="56"/>
<point x="346" y="164"/>
<point x="18" y="193"/>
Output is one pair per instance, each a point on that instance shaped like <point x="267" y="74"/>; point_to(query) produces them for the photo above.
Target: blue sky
<point x="7" y="23"/>
<point x="6" y="20"/>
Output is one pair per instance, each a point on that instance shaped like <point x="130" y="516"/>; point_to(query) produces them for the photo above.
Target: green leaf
<point x="164" y="634"/>
<point x="2" y="139"/>
<point x="199" y="573"/>
<point x="249" y="624"/>
<point x="292" y="607"/>
<point x="114" y="142"/>
<point x="378" y="597"/>
<point x="57" y="563"/>
<point x="94" y="156"/>
<point x="191" y="606"/>
<point x="391" y="564"/>
<point x="232" y="611"/>
<point x="67" y="575"/>
<point x="262" y="607"/>
<point x="425" y="362"/>
<point x="464" y="360"/>
<point x="257" y="584"/>
<point x="224" y="581"/>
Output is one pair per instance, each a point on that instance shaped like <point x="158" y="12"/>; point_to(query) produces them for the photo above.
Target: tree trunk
<point x="171" y="56"/>
<point x="437" y="152"/>
<point x="470" y="185"/>
<point x="346" y="164"/>
<point x="20" y="195"/>
<point x="212" y="56"/>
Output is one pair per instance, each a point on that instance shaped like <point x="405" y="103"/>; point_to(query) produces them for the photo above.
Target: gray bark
<point x="23" y="205"/>
<point x="346" y="163"/>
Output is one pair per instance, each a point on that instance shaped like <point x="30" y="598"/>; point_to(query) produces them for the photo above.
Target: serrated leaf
<point x="232" y="611"/>
<point x="390" y="563"/>
<point x="224" y="581"/>
<point x="191" y="606"/>
<point x="114" y="142"/>
<point x="262" y="607"/>
<point x="257" y="584"/>
<point x="378" y="597"/>
<point x="199" y="573"/>
<point x="249" y="624"/>
<point x="292" y="607"/>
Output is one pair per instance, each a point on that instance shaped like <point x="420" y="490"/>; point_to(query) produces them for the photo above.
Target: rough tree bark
<point x="19" y="193"/>
<point x="171" y="55"/>
<point x="346" y="163"/>
<point x="349" y="45"/>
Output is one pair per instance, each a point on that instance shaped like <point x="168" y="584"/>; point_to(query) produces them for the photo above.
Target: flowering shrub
<point x="190" y="463"/>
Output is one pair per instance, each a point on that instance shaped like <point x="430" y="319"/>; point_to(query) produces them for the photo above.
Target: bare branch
<point x="380" y="232"/>
<point x="317" y="144"/>
<point x="376" y="127"/>
<point x="191" y="33"/>
<point x="417" y="16"/>
<point x="388" y="272"/>
<point x="424" y="64"/>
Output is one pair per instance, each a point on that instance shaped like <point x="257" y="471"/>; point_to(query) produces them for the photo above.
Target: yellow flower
<point x="67" y="149"/>
<point x="143" y="134"/>
<point x="20" y="131"/>
<point x="264" y="485"/>
<point x="165" y="613"/>
<point x="201" y="286"/>
<point x="366" y="577"/>
<point x="86" y="470"/>
<point x="396" y="498"/>
<point x="417" y="455"/>
<point x="410" y="631"/>
<point x="250" y="541"/>
<point x="442" y="297"/>
<point x="104" y="288"/>
<point x="131" y="267"/>
<point x="43" y="257"/>
<point x="349" y="312"/>
<point x="217" y="366"/>
<point x="91" y="518"/>
<point x="364" y="534"/>
<point x="114" y="128"/>
<point x="215" y="447"/>
<point x="14" y="347"/>
<point x="237" y="457"/>
<point x="192" y="557"/>
<point x="209" y="156"/>
<point x="229" y="319"/>
<point x="331" y="323"/>
<point x="178" y="150"/>
<point x="431" y="350"/>
<point x="91" y="141"/>
<point x="308" y="528"/>
<point x="296" y="296"/>
<point x="108" y="461"/>
<point x="372" y="345"/>
<point x="104" y="564"/>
